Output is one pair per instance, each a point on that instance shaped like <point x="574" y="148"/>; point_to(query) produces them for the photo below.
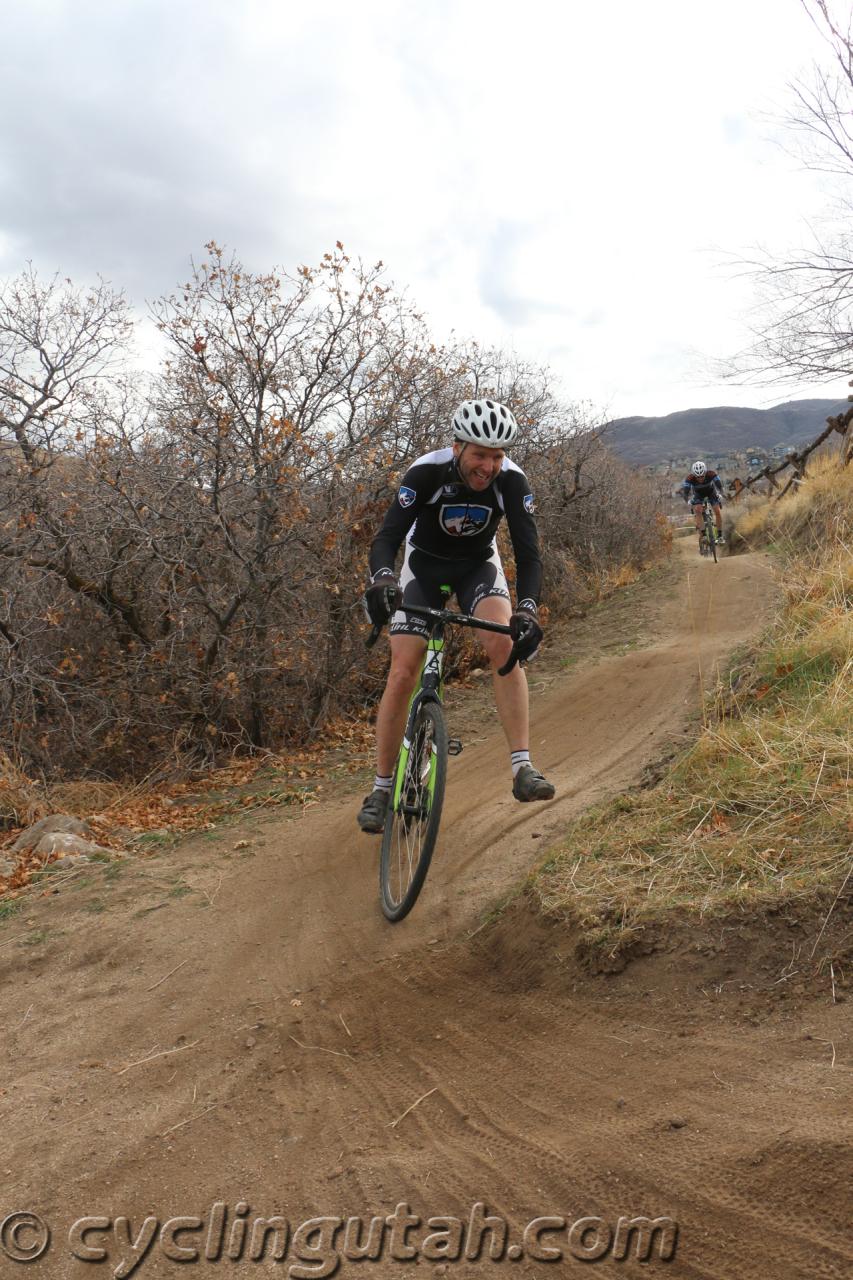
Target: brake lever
<point x="375" y="633"/>
<point x="511" y="661"/>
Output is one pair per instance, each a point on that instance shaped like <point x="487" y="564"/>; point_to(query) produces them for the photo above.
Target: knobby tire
<point x="411" y="828"/>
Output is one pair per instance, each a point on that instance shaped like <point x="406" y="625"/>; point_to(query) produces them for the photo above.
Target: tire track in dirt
<point x="301" y="1025"/>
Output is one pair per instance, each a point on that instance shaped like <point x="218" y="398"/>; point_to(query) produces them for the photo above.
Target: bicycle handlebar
<point x="457" y="619"/>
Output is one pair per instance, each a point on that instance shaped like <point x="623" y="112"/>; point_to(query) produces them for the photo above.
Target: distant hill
<point x="720" y="431"/>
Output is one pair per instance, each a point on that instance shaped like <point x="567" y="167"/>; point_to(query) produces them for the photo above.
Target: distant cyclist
<point x="700" y="484"/>
<point x="447" y="509"/>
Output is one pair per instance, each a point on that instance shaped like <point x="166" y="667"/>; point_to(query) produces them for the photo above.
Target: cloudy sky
<point x="568" y="178"/>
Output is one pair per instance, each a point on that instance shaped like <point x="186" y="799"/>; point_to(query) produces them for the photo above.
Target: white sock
<point x="382" y="784"/>
<point x="519" y="758"/>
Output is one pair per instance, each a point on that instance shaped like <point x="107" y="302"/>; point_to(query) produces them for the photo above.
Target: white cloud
<point x="562" y="178"/>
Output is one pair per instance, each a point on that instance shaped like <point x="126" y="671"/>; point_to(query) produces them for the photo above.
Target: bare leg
<point x="511" y="690"/>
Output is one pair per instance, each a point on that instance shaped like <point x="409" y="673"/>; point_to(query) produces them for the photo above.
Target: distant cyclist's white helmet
<point x="484" y="422"/>
<point x="698" y="470"/>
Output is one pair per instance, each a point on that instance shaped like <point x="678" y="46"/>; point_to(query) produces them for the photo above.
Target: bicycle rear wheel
<point x="411" y="827"/>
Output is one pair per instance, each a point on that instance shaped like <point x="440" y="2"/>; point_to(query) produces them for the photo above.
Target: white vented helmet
<point x="484" y="422"/>
<point x="698" y="469"/>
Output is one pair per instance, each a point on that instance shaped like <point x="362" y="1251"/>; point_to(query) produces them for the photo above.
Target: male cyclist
<point x="447" y="509"/>
<point x="700" y="484"/>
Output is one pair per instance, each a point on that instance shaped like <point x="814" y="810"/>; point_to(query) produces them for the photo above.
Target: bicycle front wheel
<point x="711" y="535"/>
<point x="411" y="827"/>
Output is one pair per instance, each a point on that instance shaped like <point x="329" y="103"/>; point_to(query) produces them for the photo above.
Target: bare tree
<point x="181" y="557"/>
<point x="806" y="301"/>
<point x="59" y="347"/>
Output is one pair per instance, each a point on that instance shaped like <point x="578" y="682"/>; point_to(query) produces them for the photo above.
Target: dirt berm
<point x="242" y="1028"/>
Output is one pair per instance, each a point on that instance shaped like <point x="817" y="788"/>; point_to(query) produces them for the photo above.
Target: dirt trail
<point x="294" y="1026"/>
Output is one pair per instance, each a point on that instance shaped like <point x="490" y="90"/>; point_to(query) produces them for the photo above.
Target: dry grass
<point x="821" y="504"/>
<point x="760" y="808"/>
<point x="623" y="576"/>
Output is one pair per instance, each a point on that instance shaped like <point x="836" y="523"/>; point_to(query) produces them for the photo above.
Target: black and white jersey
<point x="710" y="486"/>
<point x="438" y="514"/>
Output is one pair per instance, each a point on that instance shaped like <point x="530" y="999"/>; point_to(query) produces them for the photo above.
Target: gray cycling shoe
<point x="529" y="784"/>
<point x="371" y="816"/>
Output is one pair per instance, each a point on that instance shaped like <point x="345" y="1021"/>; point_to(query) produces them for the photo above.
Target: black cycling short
<point x="422" y="578"/>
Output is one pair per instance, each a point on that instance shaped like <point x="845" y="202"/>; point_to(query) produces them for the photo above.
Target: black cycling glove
<point x="525" y="631"/>
<point x="381" y="599"/>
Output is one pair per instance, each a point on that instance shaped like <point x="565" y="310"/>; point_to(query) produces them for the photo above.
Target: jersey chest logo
<point x="460" y="519"/>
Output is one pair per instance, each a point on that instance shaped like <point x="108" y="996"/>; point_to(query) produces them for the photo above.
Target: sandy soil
<point x="241" y="1025"/>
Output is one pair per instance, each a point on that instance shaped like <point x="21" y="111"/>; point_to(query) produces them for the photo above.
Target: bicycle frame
<point x="420" y="772"/>
<point x="709" y="526"/>
<point x="430" y="688"/>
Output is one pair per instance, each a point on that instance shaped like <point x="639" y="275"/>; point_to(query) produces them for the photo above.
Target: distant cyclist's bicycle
<point x="708" y="536"/>
<point x="417" y="792"/>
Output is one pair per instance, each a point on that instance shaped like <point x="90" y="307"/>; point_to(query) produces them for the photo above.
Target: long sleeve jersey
<point x="439" y="515"/>
<point x="709" y="486"/>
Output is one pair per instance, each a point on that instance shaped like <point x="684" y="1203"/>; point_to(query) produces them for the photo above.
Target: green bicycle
<point x="708" y="536"/>
<point x="420" y="774"/>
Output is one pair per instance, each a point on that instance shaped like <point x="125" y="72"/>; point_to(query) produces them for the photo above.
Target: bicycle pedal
<point x="454" y="747"/>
